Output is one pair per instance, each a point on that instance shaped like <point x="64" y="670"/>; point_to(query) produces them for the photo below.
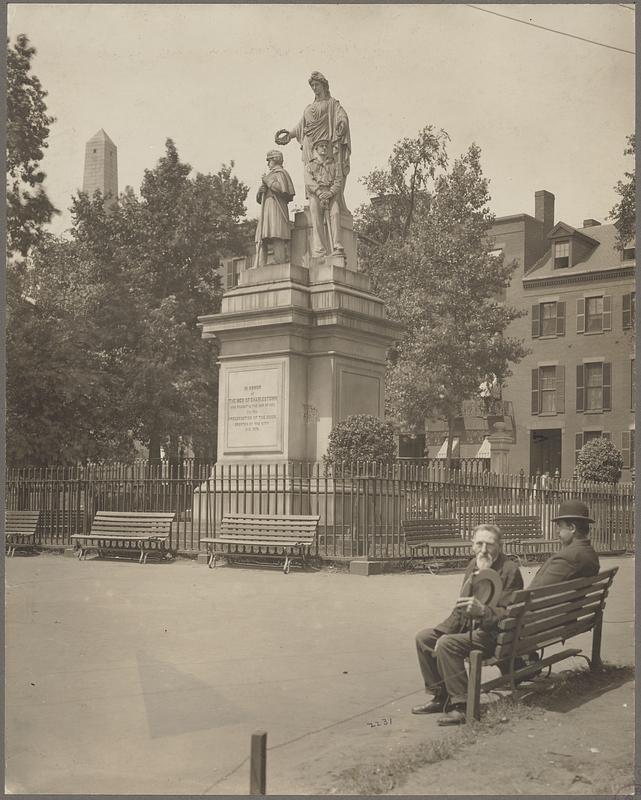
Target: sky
<point x="548" y="111"/>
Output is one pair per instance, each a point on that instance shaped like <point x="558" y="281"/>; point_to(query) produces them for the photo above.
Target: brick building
<point x="578" y="381"/>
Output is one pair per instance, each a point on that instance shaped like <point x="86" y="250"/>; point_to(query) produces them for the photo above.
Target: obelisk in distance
<point x="101" y="167"/>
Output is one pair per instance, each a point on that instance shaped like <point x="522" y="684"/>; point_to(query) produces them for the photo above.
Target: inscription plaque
<point x="254" y="409"/>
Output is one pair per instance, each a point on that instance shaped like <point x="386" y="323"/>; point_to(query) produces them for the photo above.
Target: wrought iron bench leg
<point x="211" y="561"/>
<point x="287" y="564"/>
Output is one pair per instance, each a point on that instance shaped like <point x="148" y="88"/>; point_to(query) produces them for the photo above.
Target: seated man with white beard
<point x="442" y="650"/>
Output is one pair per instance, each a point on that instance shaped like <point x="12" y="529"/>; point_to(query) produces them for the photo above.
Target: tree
<point x="624" y="212"/>
<point x="599" y="461"/>
<point x="438" y="276"/>
<point x="62" y="389"/>
<point x="360" y="437"/>
<point x="28" y="207"/>
<point x="122" y="300"/>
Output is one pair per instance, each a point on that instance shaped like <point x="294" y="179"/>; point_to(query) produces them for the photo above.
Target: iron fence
<point x="361" y="506"/>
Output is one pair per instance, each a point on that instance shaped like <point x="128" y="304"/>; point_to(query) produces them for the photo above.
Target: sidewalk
<point x="130" y="679"/>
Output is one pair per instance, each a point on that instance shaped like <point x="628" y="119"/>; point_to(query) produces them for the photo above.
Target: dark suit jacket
<point x="510" y="575"/>
<point x="577" y="560"/>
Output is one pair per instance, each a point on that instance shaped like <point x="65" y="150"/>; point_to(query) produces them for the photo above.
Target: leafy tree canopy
<point x="428" y="251"/>
<point x="599" y="461"/>
<point x="361" y="437"/>
<point x="128" y="289"/>
<point x="28" y="124"/>
<point x="624" y="212"/>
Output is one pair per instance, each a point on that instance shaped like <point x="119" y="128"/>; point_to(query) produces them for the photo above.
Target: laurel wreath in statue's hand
<point x="282" y="136"/>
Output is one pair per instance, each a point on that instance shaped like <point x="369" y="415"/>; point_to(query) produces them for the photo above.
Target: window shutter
<point x="580" y="394"/>
<point x="560" y="319"/>
<point x="580" y="315"/>
<point x="633" y="385"/>
<point x="536" y="321"/>
<point x="535" y="391"/>
<point x="560" y="390"/>
<point x="607" y="386"/>
<point x="625" y="449"/>
<point x="607" y="312"/>
<point x="578" y="444"/>
<point x="627" y="312"/>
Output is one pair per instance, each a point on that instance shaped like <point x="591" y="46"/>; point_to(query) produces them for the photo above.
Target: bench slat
<point x="534" y="617"/>
<point x="539" y="609"/>
<point x="561" y="588"/>
<point x="260" y="542"/>
<point x="117" y="537"/>
<point x="545" y="639"/>
<point x="569" y="617"/>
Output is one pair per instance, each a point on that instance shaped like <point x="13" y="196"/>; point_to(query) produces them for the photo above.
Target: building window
<point x="548" y="319"/>
<point x="593" y="387"/>
<point x="547" y="379"/>
<point x="628" y="310"/>
<point x="234" y="267"/>
<point x="548" y="390"/>
<point x="627" y="449"/>
<point x="628" y="254"/>
<point x="561" y="255"/>
<point x="594" y="314"/>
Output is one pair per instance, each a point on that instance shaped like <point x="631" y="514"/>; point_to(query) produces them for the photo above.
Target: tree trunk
<point x="153" y="463"/>
<point x="450" y="439"/>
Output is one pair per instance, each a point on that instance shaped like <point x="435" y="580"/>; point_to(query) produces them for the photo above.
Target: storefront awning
<point x="442" y="453"/>
<point x="485" y="450"/>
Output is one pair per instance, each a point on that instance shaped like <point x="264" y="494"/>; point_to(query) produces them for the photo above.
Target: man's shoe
<point x="456" y="716"/>
<point x="435" y="706"/>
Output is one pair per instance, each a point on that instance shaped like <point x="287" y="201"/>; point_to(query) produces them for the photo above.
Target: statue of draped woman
<point x="323" y="120"/>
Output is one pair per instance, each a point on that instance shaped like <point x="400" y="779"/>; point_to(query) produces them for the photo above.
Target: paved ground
<point x="123" y="678"/>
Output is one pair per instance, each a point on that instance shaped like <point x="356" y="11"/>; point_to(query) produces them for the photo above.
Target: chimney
<point x="544" y="208"/>
<point x="590" y="223"/>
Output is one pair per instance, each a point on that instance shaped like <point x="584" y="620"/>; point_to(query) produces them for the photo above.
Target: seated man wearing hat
<point x="576" y="558"/>
<point x="442" y="650"/>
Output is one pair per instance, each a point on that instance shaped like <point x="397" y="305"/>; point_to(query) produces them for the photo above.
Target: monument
<point x="101" y="168"/>
<point x="302" y="338"/>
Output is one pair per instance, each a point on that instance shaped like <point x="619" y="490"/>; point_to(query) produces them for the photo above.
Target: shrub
<point x="599" y="461"/>
<point x="361" y="437"/>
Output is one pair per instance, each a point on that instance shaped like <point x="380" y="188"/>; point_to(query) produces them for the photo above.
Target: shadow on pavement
<point x="571" y="689"/>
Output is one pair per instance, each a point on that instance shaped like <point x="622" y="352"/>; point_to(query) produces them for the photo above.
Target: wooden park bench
<point x="435" y="541"/>
<point x="522" y="536"/>
<point x="126" y="533"/>
<point x="539" y="618"/>
<point x="264" y="537"/>
<point x="20" y="531"/>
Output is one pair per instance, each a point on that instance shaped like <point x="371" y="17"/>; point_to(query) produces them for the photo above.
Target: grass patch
<point x="391" y="771"/>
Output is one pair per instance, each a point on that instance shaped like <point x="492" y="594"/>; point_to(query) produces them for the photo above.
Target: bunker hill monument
<point x="302" y="338"/>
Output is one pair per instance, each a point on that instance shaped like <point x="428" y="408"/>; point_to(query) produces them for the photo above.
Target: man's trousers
<point x="441" y="657"/>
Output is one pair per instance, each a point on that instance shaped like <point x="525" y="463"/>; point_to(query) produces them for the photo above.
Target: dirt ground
<point x="150" y="679"/>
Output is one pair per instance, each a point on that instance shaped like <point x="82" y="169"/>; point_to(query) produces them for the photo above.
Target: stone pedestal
<point x="302" y="346"/>
<point x="500" y="446"/>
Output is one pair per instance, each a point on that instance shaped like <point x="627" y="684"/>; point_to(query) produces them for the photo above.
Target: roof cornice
<point x="580" y="277"/>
